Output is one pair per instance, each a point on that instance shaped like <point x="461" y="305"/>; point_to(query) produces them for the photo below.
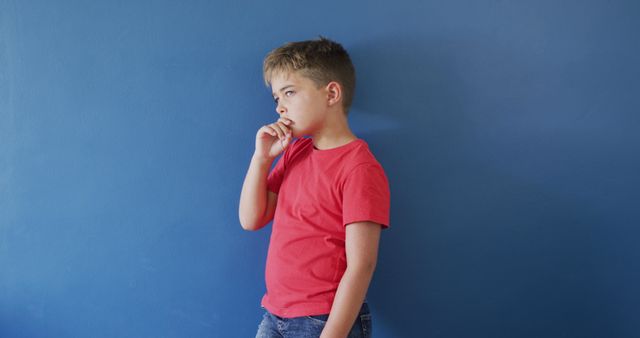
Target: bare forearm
<point x="347" y="302"/>
<point x="253" y="199"/>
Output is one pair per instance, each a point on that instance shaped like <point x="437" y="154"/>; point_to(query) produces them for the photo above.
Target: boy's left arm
<point x="361" y="244"/>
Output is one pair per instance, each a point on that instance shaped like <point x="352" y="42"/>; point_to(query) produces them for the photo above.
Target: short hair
<point x="320" y="60"/>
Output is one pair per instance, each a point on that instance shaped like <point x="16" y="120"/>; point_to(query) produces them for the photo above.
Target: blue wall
<point x="508" y="131"/>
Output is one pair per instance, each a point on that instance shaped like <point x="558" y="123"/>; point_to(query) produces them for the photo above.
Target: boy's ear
<point x="334" y="92"/>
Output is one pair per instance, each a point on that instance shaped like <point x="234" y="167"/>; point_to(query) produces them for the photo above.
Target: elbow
<point x="245" y="222"/>
<point x="249" y="226"/>
<point x="370" y="268"/>
<point x="362" y="268"/>
<point x="246" y="226"/>
<point x="251" y="221"/>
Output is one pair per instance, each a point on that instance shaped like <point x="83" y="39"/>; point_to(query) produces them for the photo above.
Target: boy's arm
<point x="255" y="200"/>
<point x="257" y="205"/>
<point x="361" y="246"/>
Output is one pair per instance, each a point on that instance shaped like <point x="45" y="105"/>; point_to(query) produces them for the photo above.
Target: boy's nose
<point x="280" y="109"/>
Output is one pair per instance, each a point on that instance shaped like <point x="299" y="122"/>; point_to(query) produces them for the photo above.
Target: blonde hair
<point x="320" y="60"/>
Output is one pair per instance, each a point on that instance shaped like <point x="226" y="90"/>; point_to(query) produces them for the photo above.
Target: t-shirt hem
<point x="384" y="222"/>
<point x="304" y="309"/>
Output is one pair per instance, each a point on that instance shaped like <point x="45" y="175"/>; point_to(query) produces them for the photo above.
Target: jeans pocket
<point x="365" y="321"/>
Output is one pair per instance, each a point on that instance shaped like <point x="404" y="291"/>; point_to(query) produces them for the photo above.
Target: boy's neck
<point x="335" y="133"/>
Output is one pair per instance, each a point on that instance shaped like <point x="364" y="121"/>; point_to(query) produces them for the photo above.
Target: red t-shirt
<point x="319" y="193"/>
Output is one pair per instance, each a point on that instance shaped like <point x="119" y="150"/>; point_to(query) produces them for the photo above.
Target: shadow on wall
<point x="467" y="232"/>
<point x="411" y="84"/>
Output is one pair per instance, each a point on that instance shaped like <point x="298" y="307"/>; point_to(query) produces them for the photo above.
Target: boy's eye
<point x="275" y="99"/>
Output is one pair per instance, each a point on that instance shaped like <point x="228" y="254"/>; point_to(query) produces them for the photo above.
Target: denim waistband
<point x="364" y="309"/>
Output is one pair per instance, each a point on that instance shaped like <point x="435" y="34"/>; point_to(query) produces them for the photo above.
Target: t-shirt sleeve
<point x="366" y="196"/>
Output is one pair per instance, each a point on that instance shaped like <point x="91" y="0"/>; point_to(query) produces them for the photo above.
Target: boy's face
<point x="298" y="100"/>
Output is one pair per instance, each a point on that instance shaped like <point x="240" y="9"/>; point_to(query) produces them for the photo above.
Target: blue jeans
<point x="273" y="326"/>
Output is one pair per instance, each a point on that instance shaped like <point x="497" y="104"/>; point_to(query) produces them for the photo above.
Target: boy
<point x="332" y="197"/>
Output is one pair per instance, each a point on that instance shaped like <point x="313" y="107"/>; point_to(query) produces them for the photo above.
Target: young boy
<point x="327" y="195"/>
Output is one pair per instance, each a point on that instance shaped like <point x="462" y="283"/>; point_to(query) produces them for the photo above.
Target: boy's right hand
<point x="273" y="139"/>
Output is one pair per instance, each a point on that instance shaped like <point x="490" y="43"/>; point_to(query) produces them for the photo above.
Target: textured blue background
<point x="508" y="130"/>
